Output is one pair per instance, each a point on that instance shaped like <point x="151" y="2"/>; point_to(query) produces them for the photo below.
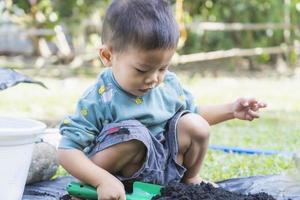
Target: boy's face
<point x="138" y="71"/>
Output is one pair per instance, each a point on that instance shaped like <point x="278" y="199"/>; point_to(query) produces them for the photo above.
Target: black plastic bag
<point x="285" y="186"/>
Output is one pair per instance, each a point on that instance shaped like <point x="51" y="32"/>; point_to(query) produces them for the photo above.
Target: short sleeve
<point x="189" y="101"/>
<point x="185" y="96"/>
<point x="80" y="129"/>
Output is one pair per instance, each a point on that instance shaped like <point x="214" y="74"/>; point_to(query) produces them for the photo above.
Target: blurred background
<point x="227" y="49"/>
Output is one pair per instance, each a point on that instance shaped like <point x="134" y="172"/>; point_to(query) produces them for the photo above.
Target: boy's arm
<point x="214" y="114"/>
<point x="78" y="165"/>
<point x="242" y="108"/>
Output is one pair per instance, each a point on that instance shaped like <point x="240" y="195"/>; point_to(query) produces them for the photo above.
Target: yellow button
<point x="181" y="98"/>
<point x="138" y="100"/>
<point x="66" y="121"/>
<point x="102" y="89"/>
<point x="84" y="111"/>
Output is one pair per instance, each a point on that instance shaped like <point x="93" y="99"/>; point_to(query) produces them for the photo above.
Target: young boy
<point x="137" y="122"/>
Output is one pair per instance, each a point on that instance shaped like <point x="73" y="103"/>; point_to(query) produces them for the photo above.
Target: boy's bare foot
<point x="198" y="180"/>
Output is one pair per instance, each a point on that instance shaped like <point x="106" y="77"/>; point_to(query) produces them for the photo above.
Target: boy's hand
<point x="247" y="109"/>
<point x="111" y="189"/>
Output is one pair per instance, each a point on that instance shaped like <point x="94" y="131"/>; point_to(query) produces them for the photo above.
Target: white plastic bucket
<point x="17" y="137"/>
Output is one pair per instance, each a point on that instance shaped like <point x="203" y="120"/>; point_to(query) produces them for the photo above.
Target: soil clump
<point x="204" y="191"/>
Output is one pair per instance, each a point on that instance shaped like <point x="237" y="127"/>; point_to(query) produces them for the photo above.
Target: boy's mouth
<point x="145" y="90"/>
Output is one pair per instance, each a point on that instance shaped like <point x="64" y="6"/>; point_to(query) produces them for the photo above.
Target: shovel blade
<point x="143" y="191"/>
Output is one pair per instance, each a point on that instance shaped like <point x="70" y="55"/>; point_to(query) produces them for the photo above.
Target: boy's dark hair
<point x="145" y="24"/>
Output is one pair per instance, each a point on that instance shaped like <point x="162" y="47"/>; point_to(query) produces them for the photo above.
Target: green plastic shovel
<point x="141" y="191"/>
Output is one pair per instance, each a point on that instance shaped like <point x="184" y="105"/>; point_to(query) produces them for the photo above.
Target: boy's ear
<point x="105" y="54"/>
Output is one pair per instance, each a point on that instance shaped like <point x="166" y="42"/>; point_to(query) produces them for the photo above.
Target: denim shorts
<point x="160" y="166"/>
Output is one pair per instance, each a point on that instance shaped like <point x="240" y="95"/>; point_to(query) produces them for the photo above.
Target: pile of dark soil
<point x="204" y="191"/>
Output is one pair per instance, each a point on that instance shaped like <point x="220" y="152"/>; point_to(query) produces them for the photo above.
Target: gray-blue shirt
<point x="106" y="102"/>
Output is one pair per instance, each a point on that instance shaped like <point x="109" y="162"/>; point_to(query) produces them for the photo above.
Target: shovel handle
<point x="143" y="191"/>
<point x="82" y="191"/>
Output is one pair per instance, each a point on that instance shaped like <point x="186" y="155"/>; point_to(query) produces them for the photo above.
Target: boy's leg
<point x="193" y="138"/>
<point x="123" y="159"/>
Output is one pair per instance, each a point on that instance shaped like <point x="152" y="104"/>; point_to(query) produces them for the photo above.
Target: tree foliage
<point x="230" y="11"/>
<point x="48" y="13"/>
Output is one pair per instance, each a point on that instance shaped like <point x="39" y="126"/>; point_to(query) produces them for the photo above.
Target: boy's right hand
<point x="111" y="189"/>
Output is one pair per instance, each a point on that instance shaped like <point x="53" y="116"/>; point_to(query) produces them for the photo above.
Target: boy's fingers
<point x="254" y="106"/>
<point x="251" y="101"/>
<point x="246" y="102"/>
<point x="253" y="114"/>
<point x="249" y="118"/>
<point x="123" y="197"/>
<point x="243" y="102"/>
<point x="262" y="105"/>
<point x="257" y="106"/>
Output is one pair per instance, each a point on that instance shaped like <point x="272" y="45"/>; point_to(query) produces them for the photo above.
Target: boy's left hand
<point x="247" y="108"/>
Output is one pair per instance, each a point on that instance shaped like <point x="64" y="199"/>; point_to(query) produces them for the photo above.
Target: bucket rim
<point x="37" y="128"/>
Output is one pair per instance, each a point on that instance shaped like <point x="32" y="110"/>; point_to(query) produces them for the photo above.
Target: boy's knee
<point x="197" y="127"/>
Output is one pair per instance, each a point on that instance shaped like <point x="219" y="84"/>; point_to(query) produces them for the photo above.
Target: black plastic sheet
<point x="47" y="190"/>
<point x="9" y="78"/>
<point x="281" y="187"/>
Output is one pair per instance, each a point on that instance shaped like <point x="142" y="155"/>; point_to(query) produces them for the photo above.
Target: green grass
<point x="277" y="129"/>
<point x="263" y="134"/>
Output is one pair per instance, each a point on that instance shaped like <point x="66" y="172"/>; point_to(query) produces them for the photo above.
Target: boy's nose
<point x="153" y="78"/>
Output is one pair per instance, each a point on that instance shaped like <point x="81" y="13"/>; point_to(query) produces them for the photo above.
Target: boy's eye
<point x="139" y="70"/>
<point x="162" y="69"/>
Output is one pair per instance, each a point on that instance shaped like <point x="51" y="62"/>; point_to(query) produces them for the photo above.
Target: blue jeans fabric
<point x="160" y="165"/>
